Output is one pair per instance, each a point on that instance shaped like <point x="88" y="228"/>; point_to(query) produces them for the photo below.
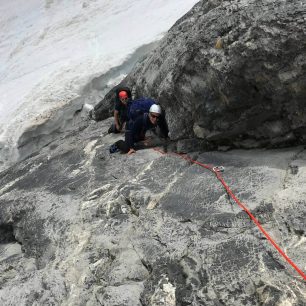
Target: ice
<point x="49" y="50"/>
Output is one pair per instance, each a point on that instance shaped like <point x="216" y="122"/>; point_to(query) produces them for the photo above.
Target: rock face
<point x="80" y="226"/>
<point x="232" y="72"/>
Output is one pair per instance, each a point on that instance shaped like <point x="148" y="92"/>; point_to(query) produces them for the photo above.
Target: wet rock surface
<point x="232" y="73"/>
<point x="80" y="226"/>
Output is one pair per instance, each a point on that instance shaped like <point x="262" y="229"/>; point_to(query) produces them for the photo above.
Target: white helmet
<point x="155" y="109"/>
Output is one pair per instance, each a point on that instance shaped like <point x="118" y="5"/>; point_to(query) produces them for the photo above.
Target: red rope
<point x="242" y="206"/>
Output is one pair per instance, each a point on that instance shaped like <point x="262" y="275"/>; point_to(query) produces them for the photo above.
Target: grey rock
<point x="81" y="226"/>
<point x="150" y="229"/>
<point x="231" y="72"/>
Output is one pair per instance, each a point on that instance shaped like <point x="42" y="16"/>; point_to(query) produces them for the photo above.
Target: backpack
<point x="139" y="107"/>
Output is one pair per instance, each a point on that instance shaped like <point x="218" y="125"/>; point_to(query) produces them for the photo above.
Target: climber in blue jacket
<point x="138" y="129"/>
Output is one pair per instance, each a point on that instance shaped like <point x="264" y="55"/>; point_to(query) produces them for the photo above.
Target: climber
<point x="137" y="130"/>
<point x="122" y="100"/>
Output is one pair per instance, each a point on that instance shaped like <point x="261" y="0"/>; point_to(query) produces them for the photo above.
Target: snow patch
<point x="50" y="50"/>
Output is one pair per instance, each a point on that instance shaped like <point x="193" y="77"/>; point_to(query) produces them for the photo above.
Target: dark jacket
<point x="122" y="110"/>
<point x="119" y="106"/>
<point x="136" y="130"/>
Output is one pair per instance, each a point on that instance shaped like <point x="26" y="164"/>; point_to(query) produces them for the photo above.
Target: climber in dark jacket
<point x="120" y="112"/>
<point x="136" y="130"/>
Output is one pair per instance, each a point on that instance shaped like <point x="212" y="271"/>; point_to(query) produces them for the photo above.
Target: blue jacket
<point x="136" y="130"/>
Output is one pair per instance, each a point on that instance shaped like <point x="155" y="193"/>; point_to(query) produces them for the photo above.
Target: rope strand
<point x="242" y="206"/>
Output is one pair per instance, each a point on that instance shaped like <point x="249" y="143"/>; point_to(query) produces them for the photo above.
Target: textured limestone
<point x="80" y="226"/>
<point x="231" y="72"/>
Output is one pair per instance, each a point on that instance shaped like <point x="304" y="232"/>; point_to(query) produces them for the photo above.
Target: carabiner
<point x="218" y="169"/>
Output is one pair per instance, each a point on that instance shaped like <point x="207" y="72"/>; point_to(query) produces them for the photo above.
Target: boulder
<point x="231" y="72"/>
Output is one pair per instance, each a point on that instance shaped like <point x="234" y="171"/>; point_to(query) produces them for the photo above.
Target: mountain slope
<point x="82" y="226"/>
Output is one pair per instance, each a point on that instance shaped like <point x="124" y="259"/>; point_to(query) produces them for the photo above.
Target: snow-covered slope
<point x="49" y="50"/>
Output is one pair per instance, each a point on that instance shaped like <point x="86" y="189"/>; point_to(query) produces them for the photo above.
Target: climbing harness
<point x="217" y="170"/>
